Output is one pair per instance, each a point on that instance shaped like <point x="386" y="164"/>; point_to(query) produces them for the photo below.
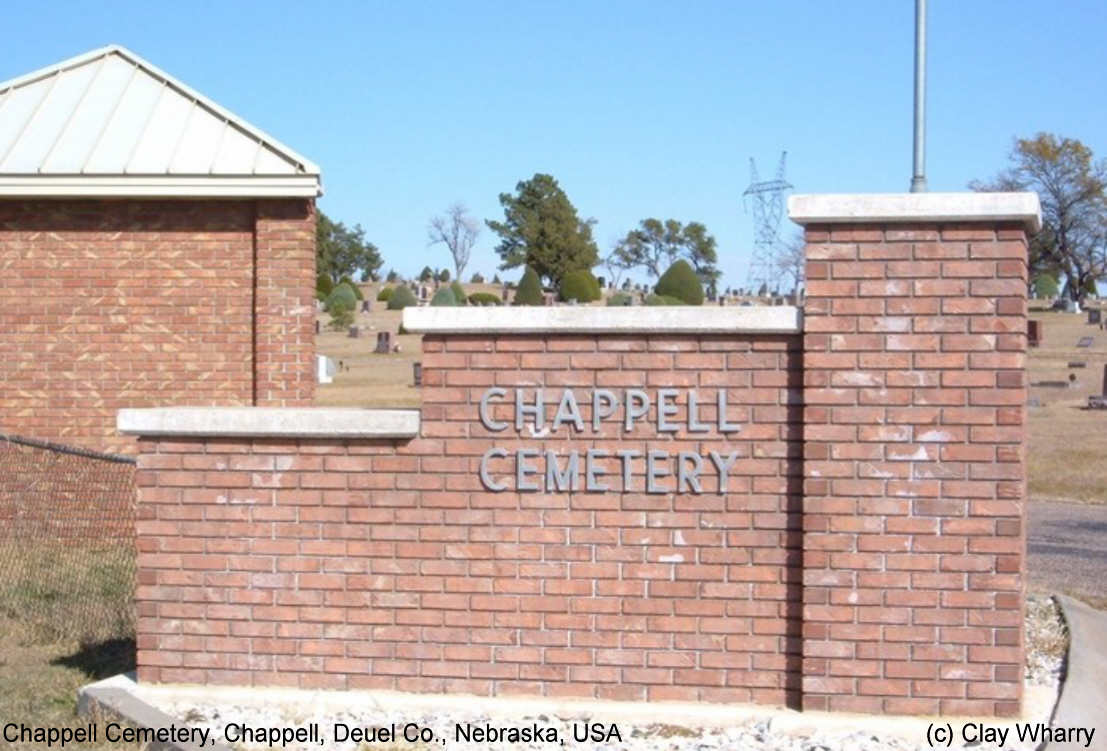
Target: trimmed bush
<point x="484" y="298"/>
<point x="401" y="298"/>
<point x="443" y="275"/>
<point x="323" y="286"/>
<point x="354" y="287"/>
<point x="341" y="318"/>
<point x="444" y="298"/>
<point x="681" y="282"/>
<point x="477" y="278"/>
<point x="459" y="292"/>
<point x="385" y="294"/>
<point x="619" y="300"/>
<point x="341" y="296"/>
<point x="663" y="300"/>
<point x="580" y="286"/>
<point x="530" y="289"/>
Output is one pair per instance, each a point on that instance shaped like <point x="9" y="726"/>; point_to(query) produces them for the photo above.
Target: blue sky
<point x="638" y="108"/>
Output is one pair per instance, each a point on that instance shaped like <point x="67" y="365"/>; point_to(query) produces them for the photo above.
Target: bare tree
<point x="789" y="262"/>
<point x="1072" y="187"/>
<point x="457" y="231"/>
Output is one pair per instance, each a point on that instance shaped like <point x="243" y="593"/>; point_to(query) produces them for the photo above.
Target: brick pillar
<point x="284" y="303"/>
<point x="915" y="451"/>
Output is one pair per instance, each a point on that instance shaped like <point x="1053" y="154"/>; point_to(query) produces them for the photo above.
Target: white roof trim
<point x="661" y="320"/>
<point x="155" y="186"/>
<point x="111" y="114"/>
<point x="269" y="422"/>
<point x="916" y="207"/>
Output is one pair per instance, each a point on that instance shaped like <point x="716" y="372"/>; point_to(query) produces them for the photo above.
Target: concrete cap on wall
<point x="269" y="422"/>
<point x="661" y="320"/>
<point x="930" y="208"/>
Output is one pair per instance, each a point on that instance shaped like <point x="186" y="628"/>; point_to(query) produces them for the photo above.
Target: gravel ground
<point x="1046" y="640"/>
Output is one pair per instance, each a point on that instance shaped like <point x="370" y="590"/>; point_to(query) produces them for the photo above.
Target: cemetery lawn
<point x="374" y="380"/>
<point x="41" y="678"/>
<point x="1068" y="443"/>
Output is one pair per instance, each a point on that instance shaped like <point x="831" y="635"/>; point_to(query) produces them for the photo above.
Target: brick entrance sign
<point x="821" y="508"/>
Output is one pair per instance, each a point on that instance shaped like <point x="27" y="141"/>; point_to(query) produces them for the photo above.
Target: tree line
<point x="541" y="229"/>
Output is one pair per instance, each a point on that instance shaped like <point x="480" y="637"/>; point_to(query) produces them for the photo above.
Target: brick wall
<point x="362" y="564"/>
<point x="868" y="554"/>
<point x="112" y="304"/>
<point x="914" y="464"/>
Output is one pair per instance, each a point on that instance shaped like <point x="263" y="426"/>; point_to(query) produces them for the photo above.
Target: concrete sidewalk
<point x="1083" y="701"/>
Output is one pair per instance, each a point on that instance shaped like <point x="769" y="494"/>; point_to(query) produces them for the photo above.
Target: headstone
<point x="424" y="292"/>
<point x="365" y="307"/>
<point x="1095" y="315"/>
<point x="1071" y="306"/>
<point x="1034" y="332"/>
<point x="384" y="343"/>
<point x="355" y="332"/>
<point x="1085" y="342"/>
<point x="417" y="373"/>
<point x="324" y="369"/>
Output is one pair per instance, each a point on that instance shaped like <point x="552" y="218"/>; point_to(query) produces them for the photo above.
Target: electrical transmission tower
<point x="767" y="197"/>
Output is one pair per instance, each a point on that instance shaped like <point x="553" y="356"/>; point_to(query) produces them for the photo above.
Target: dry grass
<point x="367" y="379"/>
<point x="42" y="678"/>
<point x="1068" y="442"/>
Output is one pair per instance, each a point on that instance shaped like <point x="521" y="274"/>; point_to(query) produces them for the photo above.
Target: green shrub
<point x="1045" y="285"/>
<point x="427" y="274"/>
<point x="530" y="289"/>
<point x="459" y="292"/>
<point x="354" y="287"/>
<point x="681" y="282"/>
<point x="484" y="298"/>
<point x="444" y="298"/>
<point x="323" y="286"/>
<point x="341" y="317"/>
<point x="663" y="300"/>
<point x="580" y="285"/>
<point x="444" y="276"/>
<point x="401" y="298"/>
<point x="619" y="299"/>
<point x="341" y="296"/>
<point x="477" y="278"/>
<point x="385" y="294"/>
<point x="392" y="276"/>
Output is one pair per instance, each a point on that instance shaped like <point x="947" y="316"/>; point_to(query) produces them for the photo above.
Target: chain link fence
<point x="67" y="539"/>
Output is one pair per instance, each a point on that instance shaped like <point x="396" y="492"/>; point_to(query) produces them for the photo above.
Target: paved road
<point x="1067" y="545"/>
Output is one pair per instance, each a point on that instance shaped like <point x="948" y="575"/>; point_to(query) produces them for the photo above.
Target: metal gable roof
<point x="108" y="123"/>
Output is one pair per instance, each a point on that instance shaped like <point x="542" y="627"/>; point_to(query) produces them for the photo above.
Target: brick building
<point x="154" y="249"/>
